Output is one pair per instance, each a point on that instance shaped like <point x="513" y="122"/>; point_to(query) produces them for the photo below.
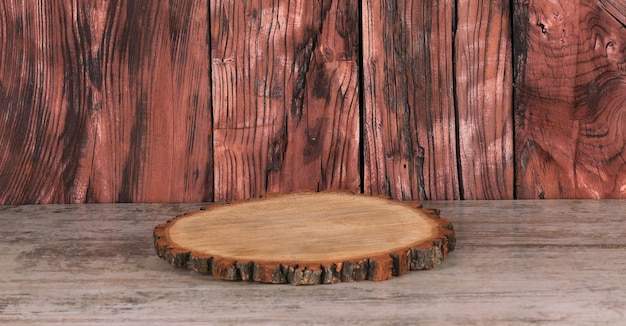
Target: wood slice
<point x="307" y="238"/>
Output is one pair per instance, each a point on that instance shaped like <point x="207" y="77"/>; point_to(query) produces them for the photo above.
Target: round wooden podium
<point x="307" y="238"/>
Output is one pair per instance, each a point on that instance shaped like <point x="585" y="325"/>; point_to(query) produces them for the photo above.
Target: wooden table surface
<point x="516" y="262"/>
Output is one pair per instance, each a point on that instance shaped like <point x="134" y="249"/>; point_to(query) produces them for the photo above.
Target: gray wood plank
<point x="516" y="262"/>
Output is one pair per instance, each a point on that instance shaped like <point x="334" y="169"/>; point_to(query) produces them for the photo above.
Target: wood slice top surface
<point x="311" y="237"/>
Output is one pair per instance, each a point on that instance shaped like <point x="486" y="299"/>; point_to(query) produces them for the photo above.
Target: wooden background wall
<point x="201" y="100"/>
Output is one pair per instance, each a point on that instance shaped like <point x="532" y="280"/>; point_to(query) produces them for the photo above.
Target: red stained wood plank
<point x="285" y="90"/>
<point x="571" y="99"/>
<point x="409" y="115"/>
<point x="484" y="93"/>
<point x="111" y="100"/>
<point x="104" y="101"/>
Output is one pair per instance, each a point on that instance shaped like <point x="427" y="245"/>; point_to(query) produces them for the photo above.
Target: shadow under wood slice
<point x="307" y="238"/>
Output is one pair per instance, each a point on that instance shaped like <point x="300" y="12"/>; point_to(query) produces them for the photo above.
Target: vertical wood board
<point x="410" y="146"/>
<point x="484" y="99"/>
<point x="285" y="94"/>
<point x="571" y="99"/>
<point x="104" y="102"/>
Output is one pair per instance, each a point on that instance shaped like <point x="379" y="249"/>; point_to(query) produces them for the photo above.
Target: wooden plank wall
<point x="104" y="101"/>
<point x="285" y="96"/>
<point x="438" y="99"/>
<point x="200" y="100"/>
<point x="571" y="99"/>
<point x="410" y="143"/>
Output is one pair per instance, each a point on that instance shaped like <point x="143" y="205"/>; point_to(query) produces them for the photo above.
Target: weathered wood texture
<point x="114" y="100"/>
<point x="104" y="101"/>
<point x="484" y="99"/>
<point x="571" y="99"/>
<point x="410" y="143"/>
<point x="540" y="262"/>
<point x="286" y="104"/>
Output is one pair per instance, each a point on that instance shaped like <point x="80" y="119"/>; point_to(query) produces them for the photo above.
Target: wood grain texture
<point x="121" y="101"/>
<point x="526" y="262"/>
<point x="286" y="109"/>
<point x="484" y="99"/>
<point x="571" y="99"/>
<point x="409" y="132"/>
<point x="307" y="238"/>
<point x="104" y="101"/>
